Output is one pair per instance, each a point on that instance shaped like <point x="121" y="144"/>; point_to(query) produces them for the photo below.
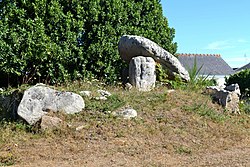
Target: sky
<point x="211" y="27"/>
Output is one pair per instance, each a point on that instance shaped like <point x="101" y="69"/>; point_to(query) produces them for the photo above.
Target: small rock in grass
<point x="79" y="128"/>
<point x="128" y="86"/>
<point x="126" y="113"/>
<point x="170" y="91"/>
<point x="104" y="93"/>
<point x="85" y="93"/>
<point x="101" y="98"/>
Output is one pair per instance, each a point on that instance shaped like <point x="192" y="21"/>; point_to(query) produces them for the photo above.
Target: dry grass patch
<point x="170" y="128"/>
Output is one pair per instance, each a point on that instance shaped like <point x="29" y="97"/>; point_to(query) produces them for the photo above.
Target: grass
<point x="183" y="122"/>
<point x="204" y="111"/>
<point x="6" y="159"/>
<point x="245" y="106"/>
<point x="183" y="150"/>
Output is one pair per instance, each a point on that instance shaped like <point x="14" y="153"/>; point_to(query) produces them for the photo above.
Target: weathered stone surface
<point x="233" y="88"/>
<point x="104" y="93"/>
<point x="142" y="73"/>
<point x="126" y="113"/>
<point x="48" y="122"/>
<point x="128" y="86"/>
<point x="170" y="91"/>
<point x="101" y="98"/>
<point x="86" y="93"/>
<point x="79" y="128"/>
<point x="228" y="99"/>
<point x="39" y="99"/>
<point x="131" y="46"/>
<point x="98" y="95"/>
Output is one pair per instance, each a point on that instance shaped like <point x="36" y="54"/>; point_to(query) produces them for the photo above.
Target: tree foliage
<point x="57" y="40"/>
<point x="242" y="78"/>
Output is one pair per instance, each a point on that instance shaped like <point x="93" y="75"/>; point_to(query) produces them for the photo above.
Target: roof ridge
<point x="197" y="54"/>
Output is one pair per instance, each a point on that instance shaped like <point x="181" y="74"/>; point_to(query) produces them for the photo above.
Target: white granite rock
<point x="39" y="99"/>
<point x="142" y="73"/>
<point x="126" y="113"/>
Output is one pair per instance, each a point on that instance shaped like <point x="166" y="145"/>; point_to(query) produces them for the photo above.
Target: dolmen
<point x="142" y="54"/>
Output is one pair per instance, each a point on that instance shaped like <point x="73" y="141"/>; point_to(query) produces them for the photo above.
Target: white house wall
<point x="220" y="79"/>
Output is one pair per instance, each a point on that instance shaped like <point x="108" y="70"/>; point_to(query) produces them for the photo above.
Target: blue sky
<point x="211" y="27"/>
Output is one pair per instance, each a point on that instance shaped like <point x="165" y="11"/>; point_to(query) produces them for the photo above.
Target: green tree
<point x="242" y="78"/>
<point x="57" y="40"/>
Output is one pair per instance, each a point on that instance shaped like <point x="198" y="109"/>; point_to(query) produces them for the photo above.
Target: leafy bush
<point x="242" y="78"/>
<point x="161" y="73"/>
<point x="245" y="105"/>
<point x="54" y="41"/>
<point x="163" y="78"/>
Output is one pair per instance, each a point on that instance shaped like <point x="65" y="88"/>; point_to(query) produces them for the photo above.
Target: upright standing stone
<point x="142" y="73"/>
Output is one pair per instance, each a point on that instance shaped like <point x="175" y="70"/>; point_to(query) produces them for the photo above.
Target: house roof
<point x="247" y="66"/>
<point x="210" y="64"/>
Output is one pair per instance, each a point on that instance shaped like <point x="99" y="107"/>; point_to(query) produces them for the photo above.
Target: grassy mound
<point x="178" y="128"/>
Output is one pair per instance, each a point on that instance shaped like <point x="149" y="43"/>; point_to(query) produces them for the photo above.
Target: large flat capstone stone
<point x="131" y="46"/>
